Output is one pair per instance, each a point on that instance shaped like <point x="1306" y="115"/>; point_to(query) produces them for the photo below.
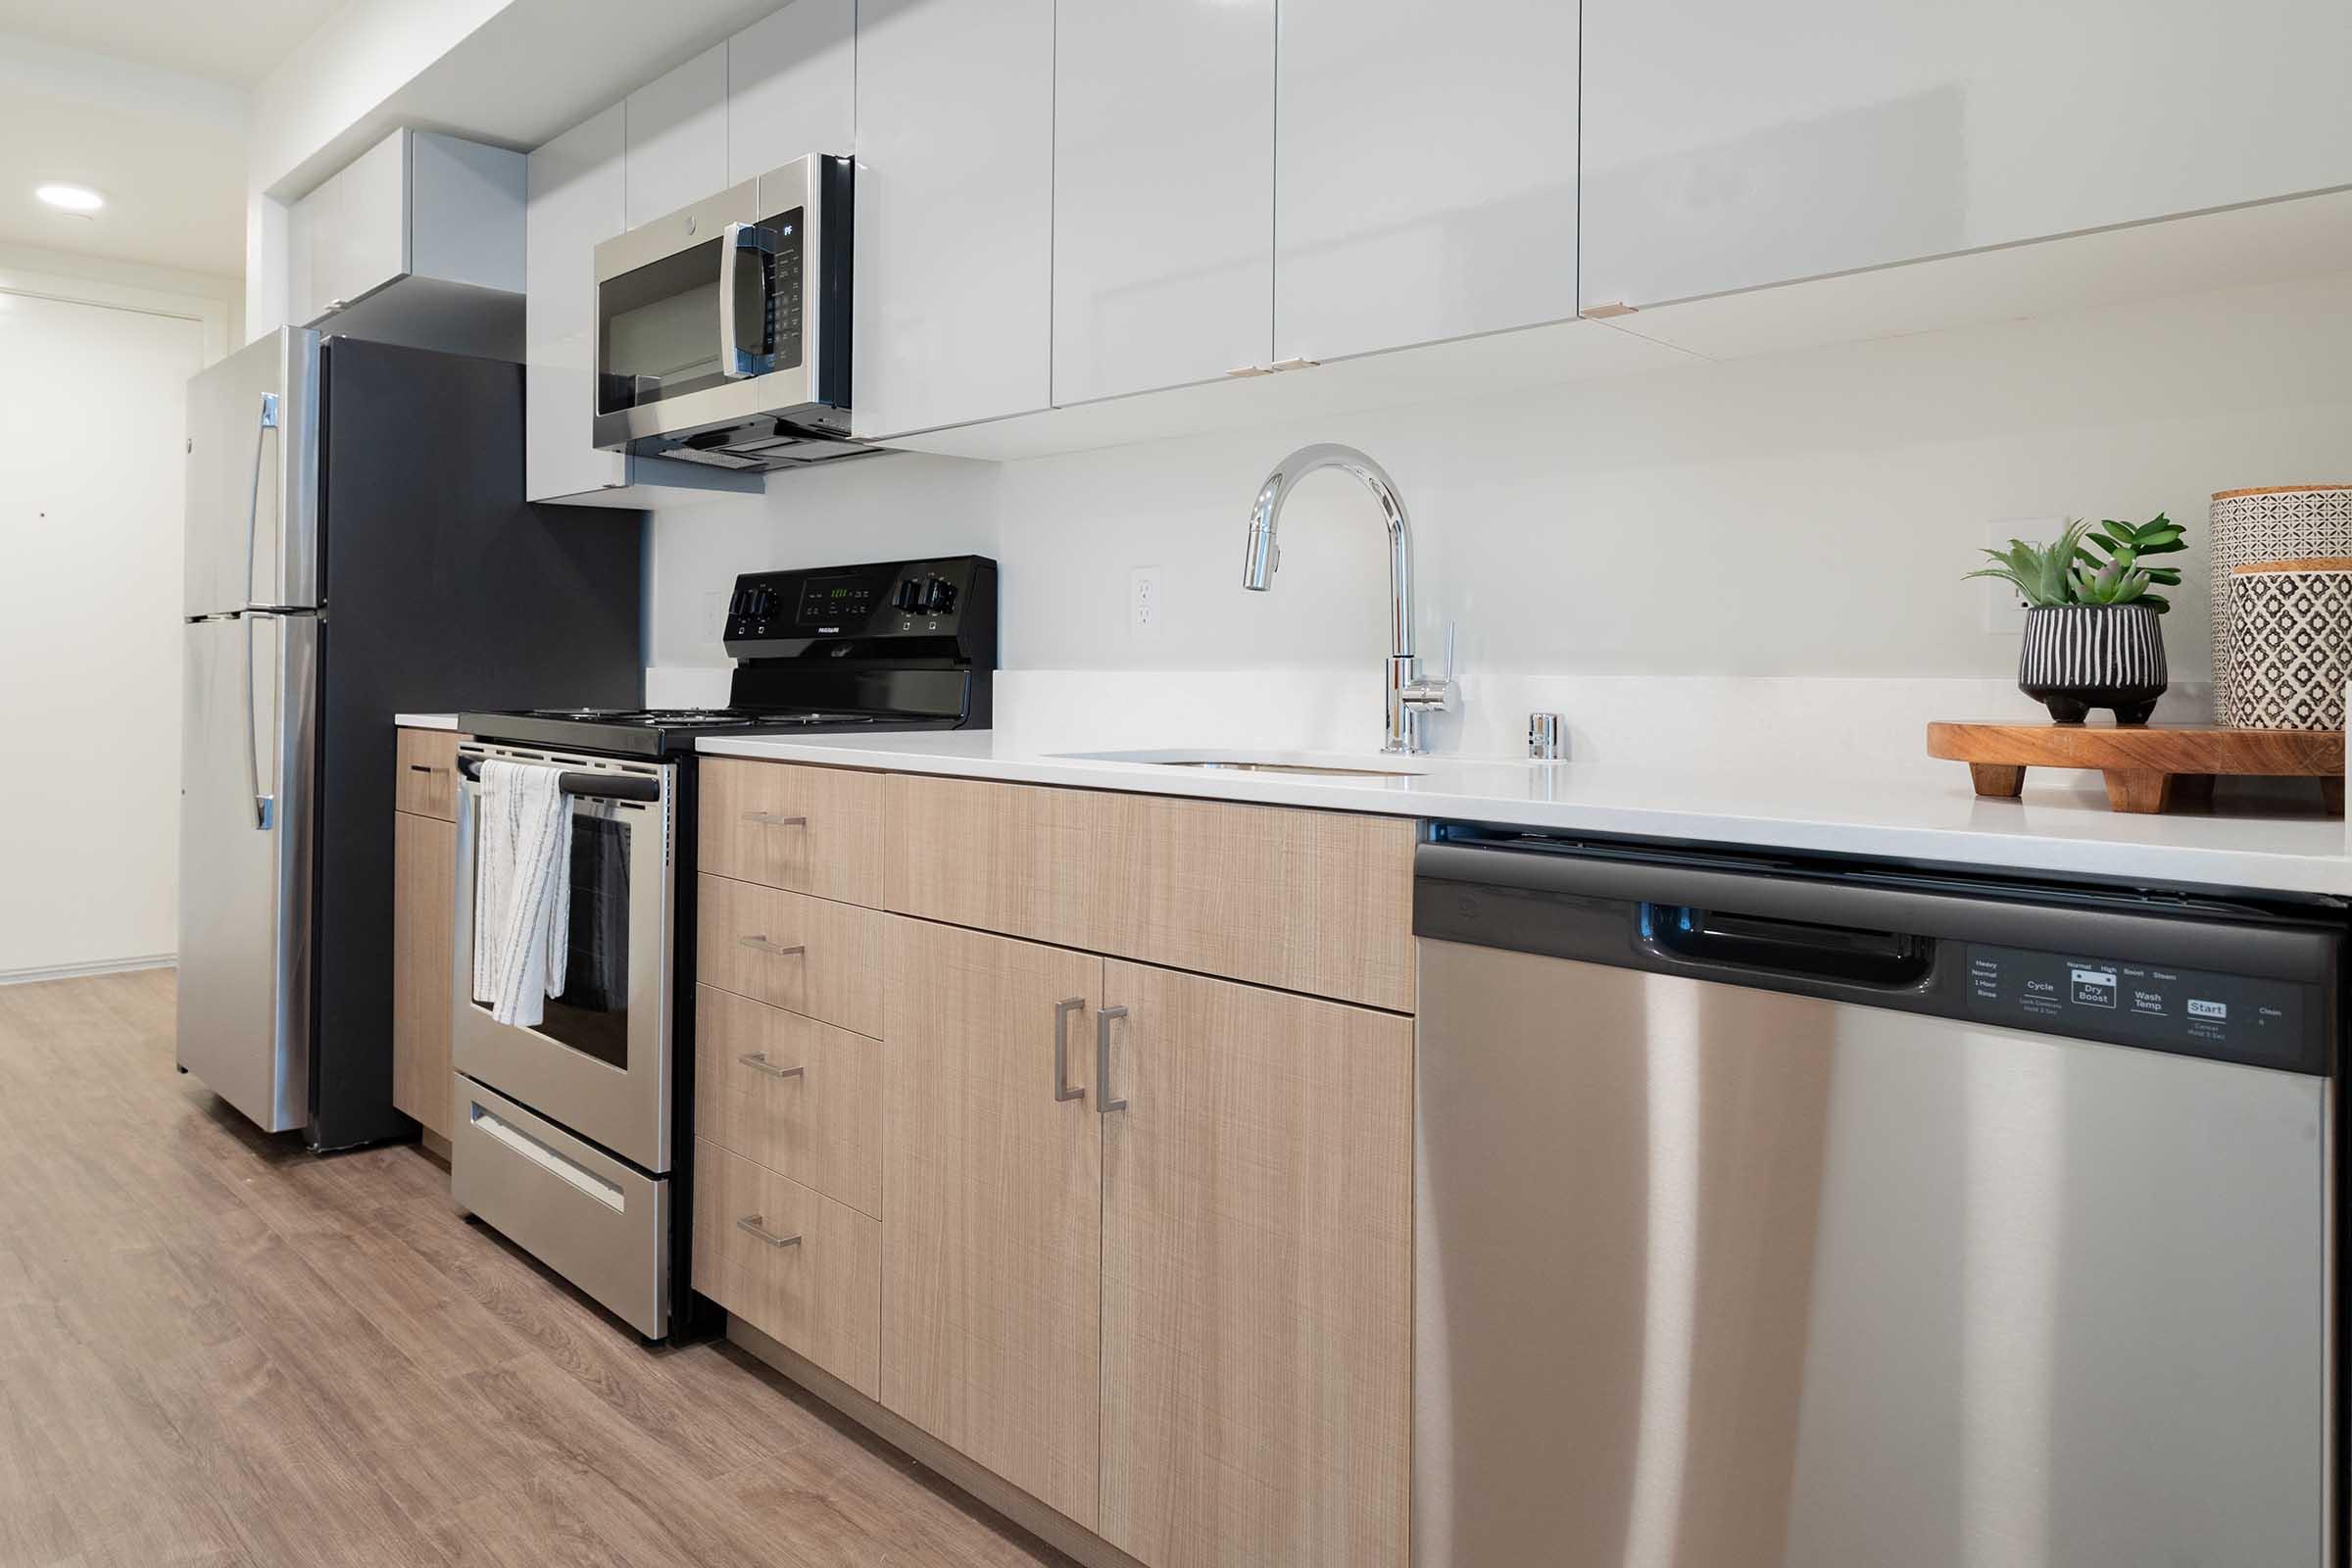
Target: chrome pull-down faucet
<point x="1409" y="695"/>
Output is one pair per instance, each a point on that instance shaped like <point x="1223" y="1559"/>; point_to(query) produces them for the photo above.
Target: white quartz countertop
<point x="425" y="720"/>
<point x="2061" y="826"/>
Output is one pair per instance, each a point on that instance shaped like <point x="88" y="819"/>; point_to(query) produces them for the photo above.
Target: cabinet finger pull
<point x="1103" y="1101"/>
<point x="420" y="768"/>
<point x="774" y="819"/>
<point x="1061" y="1049"/>
<point x="760" y="944"/>
<point x="756" y="1225"/>
<point x="757" y="1062"/>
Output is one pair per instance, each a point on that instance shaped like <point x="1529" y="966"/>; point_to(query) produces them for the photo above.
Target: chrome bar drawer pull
<point x="756" y="1225"/>
<point x="1061" y="1049"/>
<point x="1103" y="1101"/>
<point x="763" y="944"/>
<point x="757" y="1062"/>
<point x="774" y="819"/>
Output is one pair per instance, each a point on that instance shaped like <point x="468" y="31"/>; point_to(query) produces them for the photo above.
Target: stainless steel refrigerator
<point x="358" y="545"/>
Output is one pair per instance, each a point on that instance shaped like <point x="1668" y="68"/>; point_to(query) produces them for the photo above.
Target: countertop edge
<point x="2250" y="871"/>
<point x="425" y="720"/>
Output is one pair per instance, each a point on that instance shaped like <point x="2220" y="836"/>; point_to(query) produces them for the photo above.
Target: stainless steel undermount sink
<point x="1304" y="766"/>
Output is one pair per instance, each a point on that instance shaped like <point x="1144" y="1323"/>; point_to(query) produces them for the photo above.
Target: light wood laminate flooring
<point x="218" y="1349"/>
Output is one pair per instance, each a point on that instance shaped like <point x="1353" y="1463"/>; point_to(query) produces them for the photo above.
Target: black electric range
<point x="901" y="645"/>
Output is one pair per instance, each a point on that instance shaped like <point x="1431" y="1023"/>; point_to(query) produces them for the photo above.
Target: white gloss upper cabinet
<point x="954" y="229"/>
<point x="415" y="204"/>
<point x="792" y="87"/>
<point x="1728" y="145"/>
<point x="1164" y="193"/>
<point x="1425" y="171"/>
<point x="677" y="138"/>
<point x="578" y="200"/>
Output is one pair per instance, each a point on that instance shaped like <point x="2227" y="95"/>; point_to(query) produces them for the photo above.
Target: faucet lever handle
<point x="1424" y="692"/>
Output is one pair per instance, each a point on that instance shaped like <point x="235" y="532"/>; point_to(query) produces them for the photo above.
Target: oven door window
<point x="592" y="1016"/>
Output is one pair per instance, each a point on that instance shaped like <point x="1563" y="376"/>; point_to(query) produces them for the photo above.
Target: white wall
<point x="1804" y="515"/>
<point x="92" y="420"/>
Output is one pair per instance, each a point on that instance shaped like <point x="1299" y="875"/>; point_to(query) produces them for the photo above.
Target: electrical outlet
<point x="1144" y="610"/>
<point x="2004" y="611"/>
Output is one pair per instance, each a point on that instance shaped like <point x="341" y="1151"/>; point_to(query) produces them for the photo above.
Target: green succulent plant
<point x="2092" y="566"/>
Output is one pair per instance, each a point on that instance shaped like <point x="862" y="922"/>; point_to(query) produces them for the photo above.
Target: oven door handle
<point x="590" y="786"/>
<point x="735" y="362"/>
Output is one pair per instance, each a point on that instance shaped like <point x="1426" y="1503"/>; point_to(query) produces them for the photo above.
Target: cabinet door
<point x="1729" y="145"/>
<point x="371" y="221"/>
<point x="955" y="298"/>
<point x="992" y="1192"/>
<point x="309" y="243"/>
<point x="577" y="197"/>
<point x="1425" y="171"/>
<point x="677" y="137"/>
<point x="1256" y="1276"/>
<point x="424" y="856"/>
<point x="792" y="87"/>
<point x="1163" y="215"/>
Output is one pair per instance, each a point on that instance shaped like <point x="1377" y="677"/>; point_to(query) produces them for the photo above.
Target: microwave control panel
<point x="790" y="612"/>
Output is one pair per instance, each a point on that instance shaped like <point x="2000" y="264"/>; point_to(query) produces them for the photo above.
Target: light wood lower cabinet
<point x="425" y="855"/>
<point x="992" y="1193"/>
<point x="1256" y="1277"/>
<point x="790" y="1262"/>
<point x="800" y="1096"/>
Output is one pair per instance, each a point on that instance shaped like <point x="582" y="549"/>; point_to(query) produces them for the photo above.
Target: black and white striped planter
<point x="2082" y="657"/>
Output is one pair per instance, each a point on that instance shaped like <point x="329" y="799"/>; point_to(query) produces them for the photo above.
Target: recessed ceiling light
<point x="71" y="198"/>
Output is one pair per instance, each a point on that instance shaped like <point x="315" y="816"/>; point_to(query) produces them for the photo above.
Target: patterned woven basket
<point x="2291" y="652"/>
<point x="2280" y="522"/>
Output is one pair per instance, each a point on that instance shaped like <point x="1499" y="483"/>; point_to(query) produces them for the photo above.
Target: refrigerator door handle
<point x="263" y="805"/>
<point x="253" y="506"/>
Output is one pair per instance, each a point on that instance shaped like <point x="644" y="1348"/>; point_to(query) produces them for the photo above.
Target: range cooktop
<point x="654" y="731"/>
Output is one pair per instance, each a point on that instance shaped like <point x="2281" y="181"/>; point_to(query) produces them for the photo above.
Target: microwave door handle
<point x="734" y="360"/>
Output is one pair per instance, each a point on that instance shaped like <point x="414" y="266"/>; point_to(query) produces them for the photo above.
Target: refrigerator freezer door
<point x="252" y="422"/>
<point x="248" y="740"/>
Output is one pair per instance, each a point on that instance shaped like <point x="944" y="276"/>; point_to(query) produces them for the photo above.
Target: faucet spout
<point x="1409" y="696"/>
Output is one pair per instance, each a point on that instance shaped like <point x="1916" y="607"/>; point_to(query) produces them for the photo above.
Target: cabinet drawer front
<point x="792" y="1263"/>
<point x="800" y="1096"/>
<point x="746" y="941"/>
<point x="426" y="780"/>
<point x="806" y="829"/>
<point x="1316" y="901"/>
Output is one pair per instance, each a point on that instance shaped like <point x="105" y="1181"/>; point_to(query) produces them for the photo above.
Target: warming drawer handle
<point x="774" y="819"/>
<point x="760" y="944"/>
<point x="756" y="1225"/>
<point x="757" y="1062"/>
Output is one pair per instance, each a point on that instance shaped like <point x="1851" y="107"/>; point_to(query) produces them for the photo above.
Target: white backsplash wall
<point x="1807" y="514"/>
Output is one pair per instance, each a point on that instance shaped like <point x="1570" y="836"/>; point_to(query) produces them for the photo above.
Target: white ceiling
<point x="232" y="41"/>
<point x="144" y="101"/>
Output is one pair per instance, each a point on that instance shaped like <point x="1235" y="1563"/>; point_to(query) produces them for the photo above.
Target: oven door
<point x="599" y="1062"/>
<point x="708" y="316"/>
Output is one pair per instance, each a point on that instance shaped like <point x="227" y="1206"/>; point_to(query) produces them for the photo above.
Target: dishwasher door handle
<point x="1699" y="942"/>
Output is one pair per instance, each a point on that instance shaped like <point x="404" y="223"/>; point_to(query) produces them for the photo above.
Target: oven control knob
<point x="759" y="602"/>
<point x="940" y="597"/>
<point x="909" y="595"/>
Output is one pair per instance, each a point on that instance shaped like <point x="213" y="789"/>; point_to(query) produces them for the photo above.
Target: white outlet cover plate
<point x="1146" y="606"/>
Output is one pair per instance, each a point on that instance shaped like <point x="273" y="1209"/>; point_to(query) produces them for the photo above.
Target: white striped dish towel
<point x="523" y="891"/>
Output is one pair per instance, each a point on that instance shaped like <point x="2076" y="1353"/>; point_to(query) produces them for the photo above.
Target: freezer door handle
<point x="253" y="498"/>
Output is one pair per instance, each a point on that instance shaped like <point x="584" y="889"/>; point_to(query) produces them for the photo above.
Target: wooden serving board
<point x="2148" y="766"/>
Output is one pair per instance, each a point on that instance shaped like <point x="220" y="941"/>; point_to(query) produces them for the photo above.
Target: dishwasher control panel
<point x="2139" y="1004"/>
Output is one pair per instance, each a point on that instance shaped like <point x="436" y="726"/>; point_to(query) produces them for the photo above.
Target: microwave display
<point x="836" y="601"/>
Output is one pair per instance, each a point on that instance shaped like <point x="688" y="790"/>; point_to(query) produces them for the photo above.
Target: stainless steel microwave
<point x="722" y="330"/>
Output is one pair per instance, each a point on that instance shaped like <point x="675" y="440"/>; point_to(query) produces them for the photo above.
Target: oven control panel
<point x="794" y="613"/>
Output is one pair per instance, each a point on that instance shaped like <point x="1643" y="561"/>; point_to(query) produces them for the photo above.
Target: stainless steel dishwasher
<point x="1771" y="1213"/>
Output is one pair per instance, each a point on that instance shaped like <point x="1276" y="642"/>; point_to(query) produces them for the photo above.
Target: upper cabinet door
<point x="578" y="198"/>
<point x="1730" y="145"/>
<point x="372" y="225"/>
<point x="1164" y="193"/>
<point x="1425" y="182"/>
<point x="677" y="135"/>
<point x="954" y="253"/>
<point x="792" y="87"/>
